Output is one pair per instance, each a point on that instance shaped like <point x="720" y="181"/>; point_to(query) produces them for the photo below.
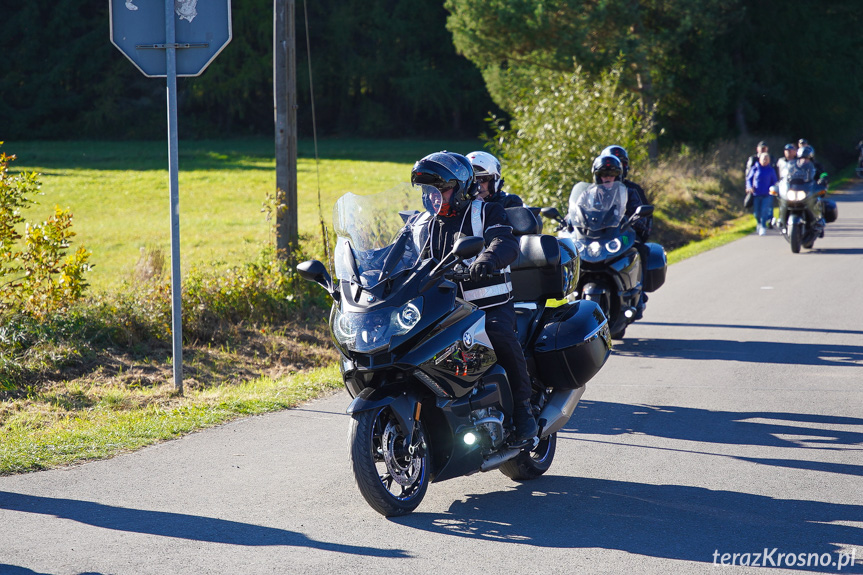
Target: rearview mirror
<point x="468" y="246"/>
<point x="315" y="271"/>
<point x="643" y="211"/>
<point x="550" y="213"/>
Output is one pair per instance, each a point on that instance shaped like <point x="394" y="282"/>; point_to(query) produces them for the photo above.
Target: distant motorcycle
<point x="615" y="270"/>
<point x="429" y="400"/>
<point x="803" y="212"/>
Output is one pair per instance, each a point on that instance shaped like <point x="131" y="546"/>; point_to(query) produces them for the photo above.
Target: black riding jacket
<point x="501" y="245"/>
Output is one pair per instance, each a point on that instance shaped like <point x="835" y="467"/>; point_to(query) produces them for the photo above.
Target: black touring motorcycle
<point x="429" y="401"/>
<point x="615" y="270"/>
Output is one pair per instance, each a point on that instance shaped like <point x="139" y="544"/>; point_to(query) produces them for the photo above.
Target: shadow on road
<point x="665" y="521"/>
<point x="761" y="352"/>
<point x="177" y="525"/>
<point x="755" y="327"/>
<point x="16" y="570"/>
<point x="762" y="428"/>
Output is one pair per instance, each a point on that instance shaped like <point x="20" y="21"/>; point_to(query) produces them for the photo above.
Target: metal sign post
<point x="204" y="29"/>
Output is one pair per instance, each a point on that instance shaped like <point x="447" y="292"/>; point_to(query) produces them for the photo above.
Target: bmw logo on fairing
<point x="370" y="298"/>
<point x="467" y="338"/>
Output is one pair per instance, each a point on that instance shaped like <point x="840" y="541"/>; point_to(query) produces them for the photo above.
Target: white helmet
<point x="485" y="164"/>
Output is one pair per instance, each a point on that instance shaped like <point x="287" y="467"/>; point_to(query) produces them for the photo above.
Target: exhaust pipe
<point x="560" y="407"/>
<point x="498" y="459"/>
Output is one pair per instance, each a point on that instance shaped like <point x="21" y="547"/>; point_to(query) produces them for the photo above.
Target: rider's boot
<point x="525" y="424"/>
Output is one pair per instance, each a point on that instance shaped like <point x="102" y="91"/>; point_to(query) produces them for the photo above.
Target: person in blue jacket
<point x="758" y="181"/>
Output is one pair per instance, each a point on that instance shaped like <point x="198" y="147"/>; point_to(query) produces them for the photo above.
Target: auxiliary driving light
<point x="469" y="438"/>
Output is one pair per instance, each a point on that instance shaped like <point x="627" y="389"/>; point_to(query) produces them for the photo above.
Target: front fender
<point x="793" y="220"/>
<point x="403" y="406"/>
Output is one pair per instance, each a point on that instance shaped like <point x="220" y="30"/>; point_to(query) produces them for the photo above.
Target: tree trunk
<point x="285" y="104"/>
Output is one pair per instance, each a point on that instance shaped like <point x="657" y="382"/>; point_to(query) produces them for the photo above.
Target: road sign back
<point x="203" y="29"/>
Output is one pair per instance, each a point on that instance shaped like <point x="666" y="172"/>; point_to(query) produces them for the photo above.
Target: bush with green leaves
<point x="38" y="274"/>
<point x="561" y="123"/>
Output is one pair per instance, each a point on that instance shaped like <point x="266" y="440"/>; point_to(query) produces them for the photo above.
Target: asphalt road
<point x="730" y="420"/>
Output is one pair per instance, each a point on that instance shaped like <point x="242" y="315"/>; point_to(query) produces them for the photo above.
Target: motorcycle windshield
<point x="376" y="234"/>
<point x="595" y="207"/>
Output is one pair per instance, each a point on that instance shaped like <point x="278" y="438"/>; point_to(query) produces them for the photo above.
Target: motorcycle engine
<point x="490" y="422"/>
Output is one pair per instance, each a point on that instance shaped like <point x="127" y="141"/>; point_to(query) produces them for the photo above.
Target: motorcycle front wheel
<point x="390" y="468"/>
<point x="531" y="464"/>
<point x="794" y="234"/>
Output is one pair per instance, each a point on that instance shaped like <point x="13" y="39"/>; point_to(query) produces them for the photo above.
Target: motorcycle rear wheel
<point x="529" y="465"/>
<point x="391" y="474"/>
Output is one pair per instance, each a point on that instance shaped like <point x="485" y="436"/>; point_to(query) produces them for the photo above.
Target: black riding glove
<point x="480" y="270"/>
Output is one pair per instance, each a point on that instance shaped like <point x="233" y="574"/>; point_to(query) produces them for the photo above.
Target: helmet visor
<point x="432" y="198"/>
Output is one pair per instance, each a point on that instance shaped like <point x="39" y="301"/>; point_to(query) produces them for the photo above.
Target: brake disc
<point x="405" y="469"/>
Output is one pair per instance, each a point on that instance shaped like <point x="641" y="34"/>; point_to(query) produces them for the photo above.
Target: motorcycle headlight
<point x="594" y="249"/>
<point x="799" y="195"/>
<point x="408" y="316"/>
<point x="373" y="330"/>
<point x="614" y="245"/>
<point x="344" y="326"/>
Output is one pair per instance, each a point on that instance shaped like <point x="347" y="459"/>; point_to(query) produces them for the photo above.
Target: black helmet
<point x="805" y="152"/>
<point x="618" y="152"/>
<point x="445" y="170"/>
<point x="606" y="165"/>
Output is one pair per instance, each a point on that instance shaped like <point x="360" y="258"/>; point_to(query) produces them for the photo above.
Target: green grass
<point x="50" y="432"/>
<point x="118" y="193"/>
<point x="733" y="231"/>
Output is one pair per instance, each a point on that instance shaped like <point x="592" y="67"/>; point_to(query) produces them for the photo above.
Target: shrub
<point x="37" y="274"/>
<point x="561" y="123"/>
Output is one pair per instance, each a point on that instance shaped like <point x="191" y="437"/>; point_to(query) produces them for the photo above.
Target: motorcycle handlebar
<point x="465" y="276"/>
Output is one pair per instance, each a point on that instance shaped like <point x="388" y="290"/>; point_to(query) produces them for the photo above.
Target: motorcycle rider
<point x="461" y="214"/>
<point x="635" y="193"/>
<point x="489" y="182"/>
<point x="803" y="170"/>
<point x="783" y="164"/>
<point x="606" y="170"/>
<point x="635" y="197"/>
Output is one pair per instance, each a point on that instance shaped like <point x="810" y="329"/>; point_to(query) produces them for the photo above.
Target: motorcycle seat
<point x="536" y="251"/>
<point x="536" y="273"/>
<point x="523" y="221"/>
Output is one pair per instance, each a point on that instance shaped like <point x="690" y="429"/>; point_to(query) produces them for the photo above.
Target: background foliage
<point x="560" y="123"/>
<point x="380" y="67"/>
<point x="713" y="68"/>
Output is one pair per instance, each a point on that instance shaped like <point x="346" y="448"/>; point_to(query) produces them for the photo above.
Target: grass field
<point x="118" y="193"/>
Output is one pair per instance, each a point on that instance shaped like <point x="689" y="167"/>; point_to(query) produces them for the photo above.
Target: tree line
<point x="379" y="68"/>
<point x="702" y="69"/>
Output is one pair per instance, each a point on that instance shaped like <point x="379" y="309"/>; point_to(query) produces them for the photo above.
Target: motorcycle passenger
<point x="460" y="214"/>
<point x="819" y="167"/>
<point x="635" y="193"/>
<point x="489" y="182"/>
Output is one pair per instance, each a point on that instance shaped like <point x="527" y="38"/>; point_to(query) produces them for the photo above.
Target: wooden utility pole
<point x="285" y="104"/>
